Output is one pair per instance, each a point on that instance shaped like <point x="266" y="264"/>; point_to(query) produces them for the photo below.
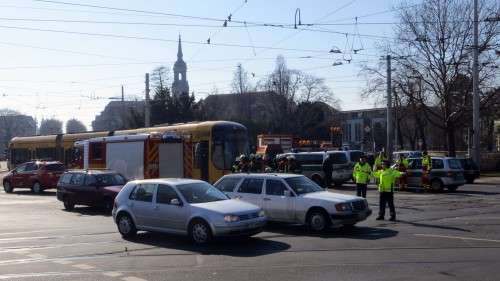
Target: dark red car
<point x="36" y="175"/>
<point x="89" y="187"/>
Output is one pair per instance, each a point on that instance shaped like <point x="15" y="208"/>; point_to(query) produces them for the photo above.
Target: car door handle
<point x="267" y="199"/>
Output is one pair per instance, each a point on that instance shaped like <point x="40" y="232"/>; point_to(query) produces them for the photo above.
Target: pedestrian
<point x="386" y="179"/>
<point x="426" y="169"/>
<point x="244" y="166"/>
<point x="361" y="174"/>
<point x="293" y="166"/>
<point x="327" y="170"/>
<point x="402" y="165"/>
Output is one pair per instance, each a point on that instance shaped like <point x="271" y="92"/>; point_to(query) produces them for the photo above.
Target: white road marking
<point x="83" y="266"/>
<point x="62" y="261"/>
<point x="112" y="274"/>
<point x="199" y="260"/>
<point x="458" y="237"/>
<point x="132" y="278"/>
<point x="37" y="256"/>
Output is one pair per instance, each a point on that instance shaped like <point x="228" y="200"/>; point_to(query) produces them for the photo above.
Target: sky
<point x="67" y="59"/>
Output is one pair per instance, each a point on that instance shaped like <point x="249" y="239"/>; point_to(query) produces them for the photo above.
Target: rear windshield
<point x="110" y="179"/>
<point x="338" y="158"/>
<point x="454" y="164"/>
<point x="55" y="167"/>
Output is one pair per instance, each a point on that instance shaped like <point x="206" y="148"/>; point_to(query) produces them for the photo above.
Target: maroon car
<point x="36" y="175"/>
<point x="90" y="188"/>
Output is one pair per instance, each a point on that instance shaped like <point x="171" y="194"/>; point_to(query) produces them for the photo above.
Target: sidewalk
<point x="488" y="180"/>
<point x="3" y="166"/>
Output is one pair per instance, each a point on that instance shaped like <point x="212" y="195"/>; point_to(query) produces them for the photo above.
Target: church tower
<point x="180" y="84"/>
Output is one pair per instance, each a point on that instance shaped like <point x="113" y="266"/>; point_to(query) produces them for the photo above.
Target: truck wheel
<point x="36" y="188"/>
<point x="7" y="187"/>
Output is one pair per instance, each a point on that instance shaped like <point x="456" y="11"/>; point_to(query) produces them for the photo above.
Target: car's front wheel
<point x="36" y="188"/>
<point x="126" y="226"/>
<point x="68" y="205"/>
<point x="200" y="232"/>
<point x="317" y="221"/>
<point x="7" y="187"/>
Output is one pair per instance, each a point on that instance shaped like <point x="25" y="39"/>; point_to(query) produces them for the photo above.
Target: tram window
<point x="20" y="155"/>
<point x="46" y="153"/>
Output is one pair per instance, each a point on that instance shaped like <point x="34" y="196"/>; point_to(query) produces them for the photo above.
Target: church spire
<point x="179" y="49"/>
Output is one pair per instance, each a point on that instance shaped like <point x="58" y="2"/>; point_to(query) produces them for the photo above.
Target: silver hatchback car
<point x="183" y="206"/>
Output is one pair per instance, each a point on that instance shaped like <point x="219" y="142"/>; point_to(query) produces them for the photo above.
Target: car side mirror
<point x="175" y="202"/>
<point x="287" y="193"/>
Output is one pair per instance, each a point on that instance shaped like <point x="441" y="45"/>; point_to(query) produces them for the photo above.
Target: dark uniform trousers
<point x="361" y="190"/>
<point x="387" y="198"/>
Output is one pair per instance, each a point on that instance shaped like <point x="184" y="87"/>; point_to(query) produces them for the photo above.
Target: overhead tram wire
<point x="156" y="39"/>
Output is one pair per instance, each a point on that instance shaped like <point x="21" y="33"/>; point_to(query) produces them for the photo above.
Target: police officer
<point x="293" y="166"/>
<point x="361" y="174"/>
<point x="402" y="165"/>
<point x="386" y="179"/>
<point x="426" y="169"/>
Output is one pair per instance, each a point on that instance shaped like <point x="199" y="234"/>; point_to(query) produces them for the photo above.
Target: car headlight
<point x="343" y="207"/>
<point x="262" y="213"/>
<point x="231" y="218"/>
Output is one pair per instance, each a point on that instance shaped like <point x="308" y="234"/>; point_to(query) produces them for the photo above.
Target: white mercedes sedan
<point x="295" y="199"/>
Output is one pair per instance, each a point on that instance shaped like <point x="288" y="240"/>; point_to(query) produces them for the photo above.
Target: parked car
<point x="406" y="154"/>
<point x="446" y="172"/>
<point x="36" y="175"/>
<point x="184" y="206"/>
<point x="295" y="199"/>
<point x="90" y="188"/>
<point x="471" y="171"/>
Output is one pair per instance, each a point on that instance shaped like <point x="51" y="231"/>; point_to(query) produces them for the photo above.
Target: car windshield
<point x="355" y="155"/>
<point x="110" y="179"/>
<point x="302" y="185"/>
<point x="454" y="164"/>
<point x="200" y="193"/>
<point x="55" y="167"/>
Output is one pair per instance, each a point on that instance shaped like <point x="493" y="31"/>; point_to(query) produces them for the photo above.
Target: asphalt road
<point x="447" y="236"/>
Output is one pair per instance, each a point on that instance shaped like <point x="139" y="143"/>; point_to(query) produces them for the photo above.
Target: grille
<point x="248" y="216"/>
<point x="359" y="205"/>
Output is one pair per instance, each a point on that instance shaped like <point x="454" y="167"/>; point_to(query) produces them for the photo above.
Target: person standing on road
<point x="327" y="167"/>
<point x="361" y="174"/>
<point x="402" y="165"/>
<point x="386" y="179"/>
<point x="426" y="169"/>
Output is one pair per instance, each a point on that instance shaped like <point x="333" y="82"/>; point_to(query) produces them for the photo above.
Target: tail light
<point x="450" y="174"/>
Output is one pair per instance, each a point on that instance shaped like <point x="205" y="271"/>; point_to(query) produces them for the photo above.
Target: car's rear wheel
<point x="126" y="226"/>
<point x="437" y="185"/>
<point x="7" y="187"/>
<point x="469" y="180"/>
<point x="200" y="232"/>
<point x="317" y="220"/>
<point x="36" y="188"/>
<point x="68" y="205"/>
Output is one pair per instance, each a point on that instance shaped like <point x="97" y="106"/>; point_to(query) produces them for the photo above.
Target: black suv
<point x="89" y="187"/>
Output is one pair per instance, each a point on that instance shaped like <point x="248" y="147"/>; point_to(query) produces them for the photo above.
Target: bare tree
<point x="160" y="79"/>
<point x="241" y="82"/>
<point x="433" y="49"/>
<point x="75" y="126"/>
<point x="50" y="127"/>
<point x="314" y="89"/>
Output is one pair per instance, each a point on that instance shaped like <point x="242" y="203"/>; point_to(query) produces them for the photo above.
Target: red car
<point x="36" y="175"/>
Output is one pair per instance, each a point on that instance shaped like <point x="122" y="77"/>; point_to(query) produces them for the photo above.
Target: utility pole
<point x="147" y="121"/>
<point x="388" y="149"/>
<point x="241" y="82"/>
<point x="123" y="95"/>
<point x="476" y="125"/>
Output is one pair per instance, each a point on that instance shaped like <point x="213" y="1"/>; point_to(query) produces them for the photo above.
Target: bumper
<point x="242" y="228"/>
<point x="350" y="218"/>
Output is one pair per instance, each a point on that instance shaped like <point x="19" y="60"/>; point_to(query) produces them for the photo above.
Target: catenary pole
<point x="147" y="121"/>
<point x="389" y="110"/>
<point x="476" y="126"/>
